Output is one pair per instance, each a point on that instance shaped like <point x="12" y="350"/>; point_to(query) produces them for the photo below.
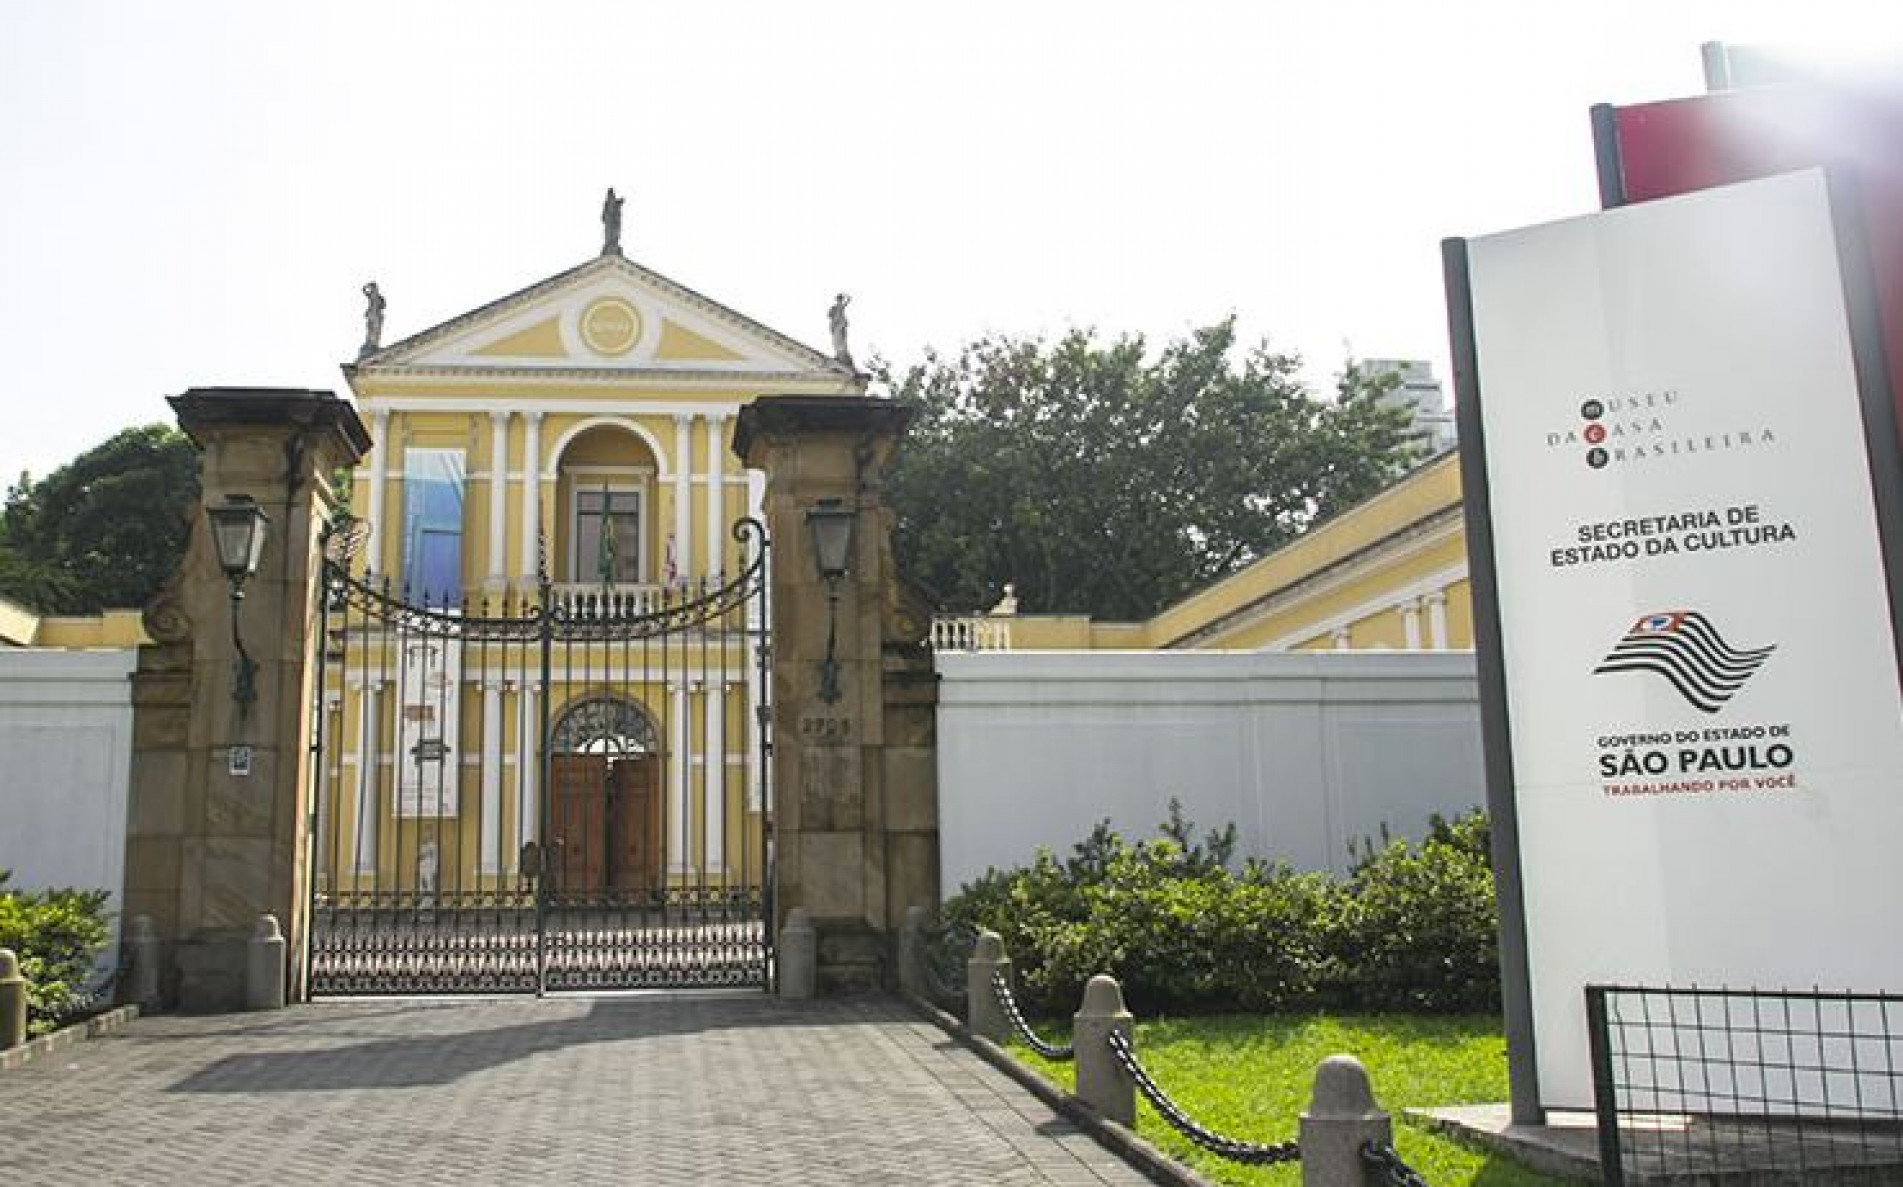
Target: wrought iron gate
<point x="565" y="789"/>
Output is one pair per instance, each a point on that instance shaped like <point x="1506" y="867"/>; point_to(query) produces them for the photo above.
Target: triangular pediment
<point x="608" y="315"/>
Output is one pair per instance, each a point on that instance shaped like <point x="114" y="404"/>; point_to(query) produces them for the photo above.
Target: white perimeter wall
<point x="1301" y="750"/>
<point x="65" y="755"/>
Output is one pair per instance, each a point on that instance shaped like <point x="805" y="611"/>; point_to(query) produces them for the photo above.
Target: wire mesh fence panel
<point x="1785" y="1085"/>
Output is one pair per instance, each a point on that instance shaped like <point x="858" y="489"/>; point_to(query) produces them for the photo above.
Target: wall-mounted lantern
<point x="237" y="532"/>
<point x="830" y="522"/>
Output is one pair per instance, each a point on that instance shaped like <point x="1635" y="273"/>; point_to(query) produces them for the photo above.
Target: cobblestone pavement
<point x="710" y="1088"/>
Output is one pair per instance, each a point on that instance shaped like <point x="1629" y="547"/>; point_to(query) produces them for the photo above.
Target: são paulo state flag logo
<point x="1684" y="648"/>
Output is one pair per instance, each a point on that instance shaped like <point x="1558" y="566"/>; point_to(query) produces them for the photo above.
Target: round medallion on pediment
<point x="610" y="326"/>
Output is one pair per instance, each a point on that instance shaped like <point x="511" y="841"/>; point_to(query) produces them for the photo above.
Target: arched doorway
<point x="604" y="825"/>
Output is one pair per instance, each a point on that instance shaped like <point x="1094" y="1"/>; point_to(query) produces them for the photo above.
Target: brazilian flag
<point x="605" y="558"/>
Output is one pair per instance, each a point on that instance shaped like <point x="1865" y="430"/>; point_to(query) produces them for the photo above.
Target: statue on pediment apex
<point x="611" y="223"/>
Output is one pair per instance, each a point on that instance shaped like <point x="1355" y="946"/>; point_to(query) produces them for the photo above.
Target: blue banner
<point x="433" y="482"/>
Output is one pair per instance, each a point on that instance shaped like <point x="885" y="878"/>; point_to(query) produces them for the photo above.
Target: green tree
<point x="1104" y="481"/>
<point x="104" y="530"/>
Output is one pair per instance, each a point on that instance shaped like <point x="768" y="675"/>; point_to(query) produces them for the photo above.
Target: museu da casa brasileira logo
<point x="1651" y="426"/>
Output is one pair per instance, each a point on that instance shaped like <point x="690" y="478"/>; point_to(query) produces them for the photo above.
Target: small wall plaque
<point x="238" y="762"/>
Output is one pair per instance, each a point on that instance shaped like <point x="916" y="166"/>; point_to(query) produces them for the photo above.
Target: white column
<point x="756" y="510"/>
<point x="717" y="539"/>
<point x="683" y="496"/>
<point x="750" y="733"/>
<point x="1437" y="620"/>
<point x="679" y="827"/>
<point x="714" y="777"/>
<point x="330" y="788"/>
<point x="528" y="765"/>
<point x="531" y="495"/>
<point x="498" y="494"/>
<point x="1342" y="640"/>
<point x="369" y="759"/>
<point x="756" y="616"/>
<point x="1411" y="623"/>
<point x="379" y="453"/>
<point x="490" y="859"/>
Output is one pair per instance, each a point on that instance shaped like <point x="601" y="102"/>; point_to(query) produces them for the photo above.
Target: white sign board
<point x="1701" y="678"/>
<point x="429" y="708"/>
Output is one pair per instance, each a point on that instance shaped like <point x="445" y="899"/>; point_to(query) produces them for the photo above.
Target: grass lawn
<point x="1249" y="1077"/>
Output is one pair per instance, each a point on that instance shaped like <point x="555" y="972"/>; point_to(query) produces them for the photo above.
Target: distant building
<point x="1388" y="574"/>
<point x="1420" y="393"/>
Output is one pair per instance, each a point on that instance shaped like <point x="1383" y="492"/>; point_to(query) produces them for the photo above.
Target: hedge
<point x="1411" y="926"/>
<point x="55" y="933"/>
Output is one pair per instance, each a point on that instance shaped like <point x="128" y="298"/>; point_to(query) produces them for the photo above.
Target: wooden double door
<point x="604" y="831"/>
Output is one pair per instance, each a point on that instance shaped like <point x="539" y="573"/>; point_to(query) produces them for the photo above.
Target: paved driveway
<point x="713" y="1088"/>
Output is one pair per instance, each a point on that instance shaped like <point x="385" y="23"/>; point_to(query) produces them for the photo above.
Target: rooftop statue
<point x="611" y="223"/>
<point x="836" y="318"/>
<point x="372" y="319"/>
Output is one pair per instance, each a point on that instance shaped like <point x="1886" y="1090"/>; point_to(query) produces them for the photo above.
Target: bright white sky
<point x="194" y="193"/>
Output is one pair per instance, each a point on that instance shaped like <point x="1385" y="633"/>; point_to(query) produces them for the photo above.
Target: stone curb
<point x="1510" y="1141"/>
<point x="1118" y="1139"/>
<point x="116" y="1019"/>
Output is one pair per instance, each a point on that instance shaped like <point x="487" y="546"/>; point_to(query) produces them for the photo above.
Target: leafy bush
<point x="1411" y="927"/>
<point x="55" y="934"/>
<point x="1419" y="928"/>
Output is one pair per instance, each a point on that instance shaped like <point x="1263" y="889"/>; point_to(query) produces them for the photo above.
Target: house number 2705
<point x="822" y="731"/>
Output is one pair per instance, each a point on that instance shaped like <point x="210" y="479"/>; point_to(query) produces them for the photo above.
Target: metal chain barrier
<point x="1031" y="1039"/>
<point x="1251" y="1153"/>
<point x="1383" y="1160"/>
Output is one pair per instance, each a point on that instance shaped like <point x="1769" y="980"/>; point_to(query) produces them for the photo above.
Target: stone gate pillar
<point x="855" y="786"/>
<point x="218" y="808"/>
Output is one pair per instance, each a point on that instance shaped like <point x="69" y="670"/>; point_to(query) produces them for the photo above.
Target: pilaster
<point x="379" y="488"/>
<point x="684" y="497"/>
<point x="1437" y="619"/>
<point x="498" y="499"/>
<point x="717" y="538"/>
<point x="1411" y="624"/>
<point x="531" y="551"/>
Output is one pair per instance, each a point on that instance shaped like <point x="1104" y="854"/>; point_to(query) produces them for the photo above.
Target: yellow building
<point x="548" y="556"/>
<point x="1390" y="573"/>
<point x="607" y="381"/>
<point x="113" y="629"/>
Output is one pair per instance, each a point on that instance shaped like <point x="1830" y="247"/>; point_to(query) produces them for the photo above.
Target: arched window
<point x="604" y="531"/>
<point x="605" y="725"/>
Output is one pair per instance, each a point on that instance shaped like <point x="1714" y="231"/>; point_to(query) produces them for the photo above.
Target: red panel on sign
<point x="1683" y="145"/>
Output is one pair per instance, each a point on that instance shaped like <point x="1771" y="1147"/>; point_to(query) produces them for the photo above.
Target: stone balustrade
<point x="971" y="632"/>
<point x="646" y="599"/>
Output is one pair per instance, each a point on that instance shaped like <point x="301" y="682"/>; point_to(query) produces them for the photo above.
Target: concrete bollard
<point x="912" y="952"/>
<point x="799" y="956"/>
<point x="12" y="1001"/>
<point x="141" y="980"/>
<point x="986" y="1015"/>
<point x="1341" y="1118"/>
<point x="264" y="968"/>
<point x="1102" y="1083"/>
